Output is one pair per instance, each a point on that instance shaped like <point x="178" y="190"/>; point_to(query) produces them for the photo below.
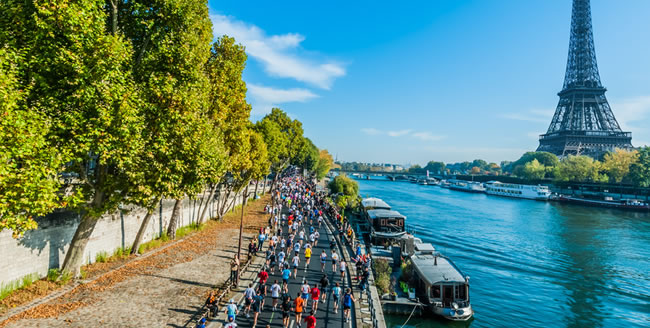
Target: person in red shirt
<point x="311" y="320"/>
<point x="263" y="275"/>
<point x="315" y="295"/>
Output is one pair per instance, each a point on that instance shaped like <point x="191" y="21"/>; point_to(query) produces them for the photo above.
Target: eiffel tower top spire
<point x="581" y="67"/>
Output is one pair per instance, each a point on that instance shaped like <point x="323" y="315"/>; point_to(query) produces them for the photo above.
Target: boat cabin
<point x="386" y="223"/>
<point x="442" y="285"/>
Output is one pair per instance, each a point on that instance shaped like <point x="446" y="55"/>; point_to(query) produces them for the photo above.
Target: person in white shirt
<point x="275" y="294"/>
<point x="335" y="259"/>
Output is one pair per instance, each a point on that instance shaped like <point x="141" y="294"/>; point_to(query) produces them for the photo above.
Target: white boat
<point x="441" y="285"/>
<point x="536" y="192"/>
<point x="467" y="186"/>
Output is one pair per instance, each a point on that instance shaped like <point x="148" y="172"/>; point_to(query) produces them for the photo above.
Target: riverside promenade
<point x="311" y="274"/>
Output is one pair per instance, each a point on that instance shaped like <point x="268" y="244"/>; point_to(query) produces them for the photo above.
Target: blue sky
<point x="448" y="80"/>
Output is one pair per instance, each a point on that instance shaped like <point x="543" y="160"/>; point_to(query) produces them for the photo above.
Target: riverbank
<point x="165" y="288"/>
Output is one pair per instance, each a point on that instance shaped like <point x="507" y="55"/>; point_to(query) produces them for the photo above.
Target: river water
<point x="531" y="263"/>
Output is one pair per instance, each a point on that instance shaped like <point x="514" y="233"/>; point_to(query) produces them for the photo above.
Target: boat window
<point x="435" y="291"/>
<point x="461" y="292"/>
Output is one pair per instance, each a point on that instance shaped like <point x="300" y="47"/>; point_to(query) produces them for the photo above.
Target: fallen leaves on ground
<point x="194" y="245"/>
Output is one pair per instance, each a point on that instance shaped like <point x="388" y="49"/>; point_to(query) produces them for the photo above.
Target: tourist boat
<point x="441" y="285"/>
<point x="385" y="224"/>
<point x="444" y="183"/>
<point x="624" y="204"/>
<point x="537" y="192"/>
<point x="467" y="186"/>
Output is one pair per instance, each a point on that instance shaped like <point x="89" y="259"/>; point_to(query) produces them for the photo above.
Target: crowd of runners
<point x="296" y="215"/>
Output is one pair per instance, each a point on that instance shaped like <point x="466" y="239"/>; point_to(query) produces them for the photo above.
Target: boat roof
<point x="377" y="214"/>
<point x="444" y="272"/>
<point x="424" y="247"/>
<point x="374" y="203"/>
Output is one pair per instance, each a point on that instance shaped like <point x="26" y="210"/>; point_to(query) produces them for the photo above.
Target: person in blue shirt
<point x="286" y="274"/>
<point x="201" y="323"/>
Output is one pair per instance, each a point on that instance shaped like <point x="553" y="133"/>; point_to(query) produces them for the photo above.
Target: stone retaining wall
<point x="44" y="248"/>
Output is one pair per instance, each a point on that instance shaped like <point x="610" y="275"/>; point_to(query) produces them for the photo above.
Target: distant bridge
<point x="389" y="174"/>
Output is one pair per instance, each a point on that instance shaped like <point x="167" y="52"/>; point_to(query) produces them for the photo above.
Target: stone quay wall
<point x="44" y="248"/>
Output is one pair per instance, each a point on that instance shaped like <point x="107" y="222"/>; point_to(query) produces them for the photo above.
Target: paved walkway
<point x="325" y="313"/>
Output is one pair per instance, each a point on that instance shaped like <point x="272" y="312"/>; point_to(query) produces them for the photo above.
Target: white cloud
<point x="629" y="111"/>
<point x="276" y="96"/>
<point x="370" y="131"/>
<point x="427" y="136"/>
<point x="399" y="133"/>
<point x="278" y="53"/>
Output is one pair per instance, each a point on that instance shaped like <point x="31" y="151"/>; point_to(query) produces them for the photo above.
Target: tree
<point x="534" y="170"/>
<point x="343" y="184"/>
<point x="617" y="163"/>
<point x="172" y="45"/>
<point x="481" y="164"/>
<point x="435" y="167"/>
<point x="544" y="158"/>
<point x="416" y="169"/>
<point x="28" y="164"/>
<point x="640" y="170"/>
<point x="475" y="170"/>
<point x="579" y="169"/>
<point x="78" y="79"/>
<point x="325" y="163"/>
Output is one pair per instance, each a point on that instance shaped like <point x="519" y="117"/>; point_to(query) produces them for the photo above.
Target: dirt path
<point x="164" y="289"/>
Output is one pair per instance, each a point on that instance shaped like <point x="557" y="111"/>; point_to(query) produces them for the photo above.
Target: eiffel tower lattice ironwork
<point x="583" y="122"/>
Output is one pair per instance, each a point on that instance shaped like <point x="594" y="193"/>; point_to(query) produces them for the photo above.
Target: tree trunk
<point x="207" y="203"/>
<point x="74" y="255"/>
<point x="257" y="182"/>
<point x="234" y="201"/>
<point x="140" y="235"/>
<point x="198" y="218"/>
<point x="171" y="228"/>
<point x="221" y="210"/>
<point x="114" y="15"/>
<point x="241" y="221"/>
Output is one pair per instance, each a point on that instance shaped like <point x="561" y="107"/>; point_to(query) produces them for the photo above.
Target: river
<point x="531" y="263"/>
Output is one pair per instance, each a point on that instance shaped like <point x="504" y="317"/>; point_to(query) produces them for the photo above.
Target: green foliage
<point x="617" y="164"/>
<point x="101" y="257"/>
<point x="325" y="163"/>
<point x="28" y="163"/>
<point x="343" y="184"/>
<point x="435" y="167"/>
<point x="534" y="170"/>
<point x="417" y="169"/>
<point x="152" y="244"/>
<point x="65" y="277"/>
<point x="53" y="275"/>
<point x="640" y="170"/>
<point x="184" y="231"/>
<point x="579" y="169"/>
<point x="544" y="158"/>
<point x="20" y="283"/>
<point x="382" y="271"/>
<point x="407" y="271"/>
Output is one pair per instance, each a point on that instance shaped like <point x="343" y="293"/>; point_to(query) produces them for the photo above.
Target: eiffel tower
<point x="583" y="122"/>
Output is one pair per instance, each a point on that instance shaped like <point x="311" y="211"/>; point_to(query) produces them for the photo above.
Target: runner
<point x="307" y="255"/>
<point x="304" y="290"/>
<point x="286" y="308"/>
<point x="311" y="320"/>
<point x="335" y="259"/>
<point x="324" y="286"/>
<point x="348" y="299"/>
<point x="275" y="294"/>
<point x="261" y="291"/>
<point x="249" y="294"/>
<point x="258" y="304"/>
<point x="316" y="237"/>
<point x="286" y="274"/>
<point x="299" y="302"/>
<point x="315" y="297"/>
<point x="323" y="260"/>
<point x="231" y="324"/>
<point x="296" y="262"/>
<point x="232" y="311"/>
<point x="342" y="269"/>
<point x="336" y="294"/>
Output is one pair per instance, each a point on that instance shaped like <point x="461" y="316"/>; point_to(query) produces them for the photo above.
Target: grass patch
<point x="383" y="272"/>
<point x="184" y="231"/>
<point x="18" y="284"/>
<point x="101" y="257"/>
<point x="149" y="245"/>
<point x="53" y="275"/>
<point x="65" y="277"/>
